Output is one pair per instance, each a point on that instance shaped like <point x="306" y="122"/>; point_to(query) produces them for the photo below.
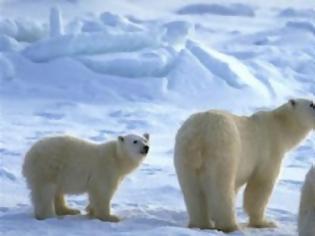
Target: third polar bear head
<point x="134" y="146"/>
<point x="305" y="111"/>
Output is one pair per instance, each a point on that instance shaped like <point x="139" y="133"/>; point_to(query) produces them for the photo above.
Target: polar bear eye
<point x="135" y="142"/>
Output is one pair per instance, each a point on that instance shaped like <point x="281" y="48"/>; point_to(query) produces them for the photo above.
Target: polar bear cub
<point x="217" y="152"/>
<point x="56" y="166"/>
<point x="306" y="223"/>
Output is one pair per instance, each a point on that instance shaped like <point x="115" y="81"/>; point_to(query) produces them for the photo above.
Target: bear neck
<point x="291" y="131"/>
<point x="125" y="164"/>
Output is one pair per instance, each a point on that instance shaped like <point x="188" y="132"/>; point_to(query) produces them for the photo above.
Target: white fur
<point x="57" y="166"/>
<point x="306" y="223"/>
<point x="217" y="152"/>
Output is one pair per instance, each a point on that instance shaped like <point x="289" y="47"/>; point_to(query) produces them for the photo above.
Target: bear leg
<point x="42" y="198"/>
<point x="99" y="206"/>
<point x="61" y="208"/>
<point x="218" y="186"/>
<point x="89" y="211"/>
<point x="256" y="196"/>
<point x="194" y="198"/>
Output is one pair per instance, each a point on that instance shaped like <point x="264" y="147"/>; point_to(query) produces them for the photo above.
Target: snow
<point x="291" y="12"/>
<point x="302" y="25"/>
<point x="227" y="68"/>
<point x="90" y="43"/>
<point x="6" y="68"/>
<point x="99" y="70"/>
<point x="8" y="44"/>
<point x="56" y="25"/>
<point x="21" y="29"/>
<point x="229" y="10"/>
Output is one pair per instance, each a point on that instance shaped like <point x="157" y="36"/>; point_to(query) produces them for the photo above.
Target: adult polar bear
<point x="306" y="219"/>
<point x="217" y="152"/>
<point x="62" y="165"/>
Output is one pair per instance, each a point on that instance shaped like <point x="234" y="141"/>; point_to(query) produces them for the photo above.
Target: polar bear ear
<point x="121" y="138"/>
<point x="292" y="102"/>
<point x="147" y="136"/>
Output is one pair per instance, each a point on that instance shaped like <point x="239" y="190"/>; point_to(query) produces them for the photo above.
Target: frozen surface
<point x="217" y="9"/>
<point x="56" y="23"/>
<point x="99" y="70"/>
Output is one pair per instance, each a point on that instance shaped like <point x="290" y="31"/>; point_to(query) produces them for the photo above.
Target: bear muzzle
<point x="145" y="150"/>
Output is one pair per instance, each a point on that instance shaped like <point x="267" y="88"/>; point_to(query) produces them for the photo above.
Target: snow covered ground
<point x="99" y="69"/>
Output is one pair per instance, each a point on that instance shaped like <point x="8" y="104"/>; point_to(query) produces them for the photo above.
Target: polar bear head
<point x="134" y="146"/>
<point x="304" y="111"/>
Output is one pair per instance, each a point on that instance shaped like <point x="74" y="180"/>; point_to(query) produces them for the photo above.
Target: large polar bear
<point x="217" y="152"/>
<point x="306" y="224"/>
<point x="56" y="166"/>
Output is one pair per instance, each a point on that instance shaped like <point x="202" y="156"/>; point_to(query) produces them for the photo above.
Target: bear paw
<point x="263" y="224"/>
<point x="110" y="218"/>
<point x="67" y="211"/>
<point x="90" y="211"/>
<point x="113" y="218"/>
<point x="40" y="217"/>
<point x="201" y="226"/>
<point x="228" y="229"/>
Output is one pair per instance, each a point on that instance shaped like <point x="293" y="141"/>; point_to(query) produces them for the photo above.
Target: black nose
<point x="146" y="149"/>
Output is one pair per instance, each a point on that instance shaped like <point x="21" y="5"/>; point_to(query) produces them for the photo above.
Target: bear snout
<point x="145" y="149"/>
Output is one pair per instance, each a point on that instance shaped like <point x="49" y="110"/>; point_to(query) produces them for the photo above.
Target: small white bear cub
<point x="56" y="166"/>
<point x="306" y="224"/>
